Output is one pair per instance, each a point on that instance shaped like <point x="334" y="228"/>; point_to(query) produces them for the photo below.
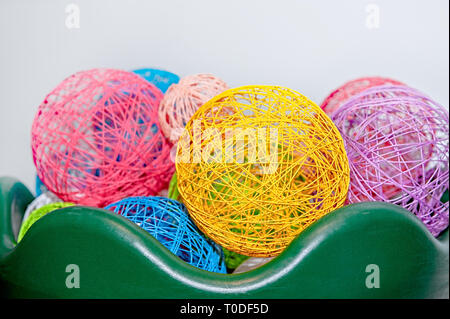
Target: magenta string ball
<point x="351" y="88"/>
<point x="397" y="144"/>
<point x="183" y="99"/>
<point x="96" y="138"/>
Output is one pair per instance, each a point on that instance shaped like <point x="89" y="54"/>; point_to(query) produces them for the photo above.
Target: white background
<point x="311" y="46"/>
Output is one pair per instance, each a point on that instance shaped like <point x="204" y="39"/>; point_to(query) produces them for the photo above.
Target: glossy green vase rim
<point x="324" y="261"/>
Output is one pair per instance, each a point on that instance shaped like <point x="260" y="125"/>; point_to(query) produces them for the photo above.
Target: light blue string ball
<point x="168" y="221"/>
<point x="160" y="78"/>
<point x="40" y="187"/>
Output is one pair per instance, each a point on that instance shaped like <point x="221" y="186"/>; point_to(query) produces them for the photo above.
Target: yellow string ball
<point x="256" y="165"/>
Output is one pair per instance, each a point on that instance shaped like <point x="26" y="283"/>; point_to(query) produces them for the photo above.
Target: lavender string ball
<point x="168" y="221"/>
<point x="397" y="144"/>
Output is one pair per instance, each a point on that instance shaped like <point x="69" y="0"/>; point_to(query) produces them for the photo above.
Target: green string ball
<point x="37" y="214"/>
<point x="233" y="259"/>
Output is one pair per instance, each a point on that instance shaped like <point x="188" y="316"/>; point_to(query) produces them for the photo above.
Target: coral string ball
<point x="96" y="138"/>
<point x="351" y="88"/>
<point x="397" y="145"/>
<point x="256" y="165"/>
<point x="183" y="99"/>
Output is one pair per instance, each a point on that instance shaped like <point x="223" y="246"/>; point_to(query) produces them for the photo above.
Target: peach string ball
<point x="96" y="138"/>
<point x="256" y="165"/>
<point x="183" y="99"/>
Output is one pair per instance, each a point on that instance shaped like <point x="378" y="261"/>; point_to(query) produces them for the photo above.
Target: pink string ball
<point x="96" y="138"/>
<point x="397" y="144"/>
<point x="351" y="88"/>
<point x="183" y="99"/>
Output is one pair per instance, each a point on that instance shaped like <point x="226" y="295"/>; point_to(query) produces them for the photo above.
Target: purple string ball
<point x="397" y="144"/>
<point x="168" y="221"/>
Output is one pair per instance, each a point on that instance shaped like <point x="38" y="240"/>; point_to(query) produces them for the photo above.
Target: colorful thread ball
<point x="173" y="192"/>
<point x="182" y="100"/>
<point x="96" y="138"/>
<point x="40" y="188"/>
<point x="41" y="200"/>
<point x="256" y="165"/>
<point x="398" y="147"/>
<point x="351" y="88"/>
<point x="160" y="78"/>
<point x="38" y="214"/>
<point x="168" y="221"/>
<point x="232" y="259"/>
<point x="379" y="94"/>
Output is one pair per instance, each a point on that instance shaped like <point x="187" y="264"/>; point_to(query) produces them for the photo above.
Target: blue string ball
<point x="40" y="187"/>
<point x="160" y="78"/>
<point x="168" y="221"/>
